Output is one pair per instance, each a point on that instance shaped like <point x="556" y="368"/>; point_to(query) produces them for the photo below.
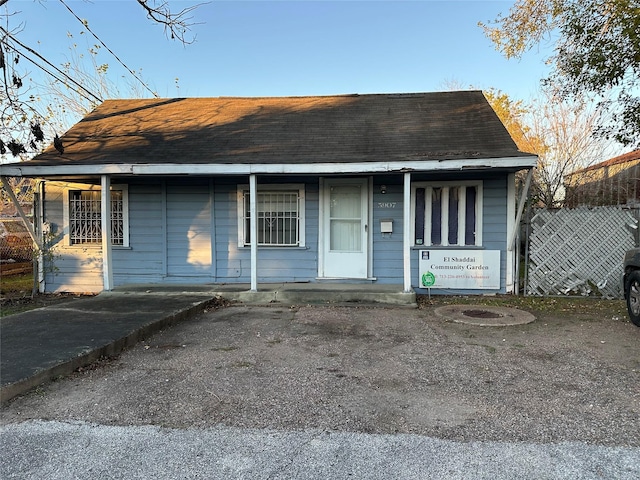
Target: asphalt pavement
<point x="43" y="344"/>
<point x="60" y="451"/>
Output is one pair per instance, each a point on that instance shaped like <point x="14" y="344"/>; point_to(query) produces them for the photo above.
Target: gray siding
<point x="388" y="262"/>
<point x="68" y="269"/>
<point x="276" y="264"/>
<point x="186" y="231"/>
<point x="145" y="259"/>
<point x="189" y="230"/>
<point x="494" y="233"/>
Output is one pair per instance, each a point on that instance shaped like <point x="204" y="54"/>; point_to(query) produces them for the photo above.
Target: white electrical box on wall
<point x="386" y="226"/>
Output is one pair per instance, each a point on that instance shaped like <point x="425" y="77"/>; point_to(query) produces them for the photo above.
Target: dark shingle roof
<point x="288" y="130"/>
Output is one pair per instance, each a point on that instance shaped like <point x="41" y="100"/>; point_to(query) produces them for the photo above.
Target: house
<point x="415" y="190"/>
<point x="612" y="182"/>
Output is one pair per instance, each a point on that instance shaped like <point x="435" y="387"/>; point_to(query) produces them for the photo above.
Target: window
<point x="280" y="217"/>
<point x="84" y="217"/>
<point x="447" y="214"/>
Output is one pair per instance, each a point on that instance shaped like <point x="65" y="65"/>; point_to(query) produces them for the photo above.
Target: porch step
<point x="289" y="293"/>
<point x="323" y="294"/>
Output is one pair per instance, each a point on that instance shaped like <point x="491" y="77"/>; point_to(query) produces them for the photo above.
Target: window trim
<point x="272" y="188"/>
<point x="428" y="186"/>
<point x="124" y="188"/>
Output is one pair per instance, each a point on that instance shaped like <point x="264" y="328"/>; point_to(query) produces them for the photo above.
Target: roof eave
<point x="324" y="168"/>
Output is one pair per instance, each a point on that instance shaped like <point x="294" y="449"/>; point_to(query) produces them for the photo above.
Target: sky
<point x="289" y="48"/>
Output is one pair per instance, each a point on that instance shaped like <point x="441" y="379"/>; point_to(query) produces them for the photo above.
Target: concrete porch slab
<point x="289" y="293"/>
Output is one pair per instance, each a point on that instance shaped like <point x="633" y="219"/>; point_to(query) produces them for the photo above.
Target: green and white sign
<point x="428" y="279"/>
<point x="460" y="269"/>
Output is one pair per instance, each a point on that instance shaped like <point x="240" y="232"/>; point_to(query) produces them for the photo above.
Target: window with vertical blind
<point x="280" y="216"/>
<point x="83" y="212"/>
<point x="447" y="214"/>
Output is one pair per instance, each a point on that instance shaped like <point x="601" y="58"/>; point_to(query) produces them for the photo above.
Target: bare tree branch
<point x="81" y="90"/>
<point x="176" y="25"/>
<point x="567" y="129"/>
<point x="21" y="123"/>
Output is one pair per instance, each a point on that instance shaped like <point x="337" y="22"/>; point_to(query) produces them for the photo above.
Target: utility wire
<point x="109" y="50"/>
<point x="85" y="96"/>
<point x="69" y="79"/>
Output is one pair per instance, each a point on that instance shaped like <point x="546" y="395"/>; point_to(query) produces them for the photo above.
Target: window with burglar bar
<point x="447" y="214"/>
<point x="85" y="223"/>
<point x="279" y="218"/>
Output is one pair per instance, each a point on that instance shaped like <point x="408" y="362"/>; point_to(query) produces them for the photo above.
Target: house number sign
<point x="387" y="204"/>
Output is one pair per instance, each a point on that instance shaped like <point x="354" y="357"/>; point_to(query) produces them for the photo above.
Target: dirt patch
<point x="377" y="370"/>
<point x="22" y="301"/>
<point x="16" y="294"/>
<point x="574" y="306"/>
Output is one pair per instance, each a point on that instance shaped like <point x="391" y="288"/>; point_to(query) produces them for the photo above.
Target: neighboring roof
<point x="620" y="159"/>
<point x="286" y="134"/>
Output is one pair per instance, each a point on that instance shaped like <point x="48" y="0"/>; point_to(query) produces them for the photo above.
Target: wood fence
<point x="15" y="268"/>
<point x="579" y="251"/>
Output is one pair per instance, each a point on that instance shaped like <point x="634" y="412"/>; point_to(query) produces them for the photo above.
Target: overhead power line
<point x="84" y="24"/>
<point x="82" y="88"/>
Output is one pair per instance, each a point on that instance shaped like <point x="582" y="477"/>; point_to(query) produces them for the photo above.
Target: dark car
<point x="631" y="284"/>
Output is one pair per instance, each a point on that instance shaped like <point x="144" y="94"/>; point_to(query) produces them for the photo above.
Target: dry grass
<point x="16" y="295"/>
<point x="596" y="307"/>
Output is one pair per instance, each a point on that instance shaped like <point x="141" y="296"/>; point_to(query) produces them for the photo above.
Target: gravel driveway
<point x="366" y="370"/>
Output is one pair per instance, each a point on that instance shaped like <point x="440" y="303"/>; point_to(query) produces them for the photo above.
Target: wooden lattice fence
<point x="580" y="251"/>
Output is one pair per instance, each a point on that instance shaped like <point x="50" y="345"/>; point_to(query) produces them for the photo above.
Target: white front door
<point x="345" y="228"/>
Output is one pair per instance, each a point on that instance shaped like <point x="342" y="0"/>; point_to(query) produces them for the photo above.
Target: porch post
<point x="253" y="214"/>
<point x="406" y="233"/>
<point x="105" y="219"/>
<point x="523" y="200"/>
<point x="42" y="228"/>
<point x="510" y="284"/>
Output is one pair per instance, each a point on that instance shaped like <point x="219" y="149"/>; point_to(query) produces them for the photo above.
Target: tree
<point x="64" y="104"/>
<point x="26" y="125"/>
<point x="597" y="51"/>
<point x="32" y="113"/>
<point x="558" y="132"/>
<point x="569" y="145"/>
<point x="512" y="113"/>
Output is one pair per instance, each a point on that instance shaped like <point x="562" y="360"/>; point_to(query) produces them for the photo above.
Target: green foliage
<point x="597" y="51"/>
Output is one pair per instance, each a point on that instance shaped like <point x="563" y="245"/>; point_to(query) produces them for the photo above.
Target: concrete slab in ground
<point x="485" y="316"/>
